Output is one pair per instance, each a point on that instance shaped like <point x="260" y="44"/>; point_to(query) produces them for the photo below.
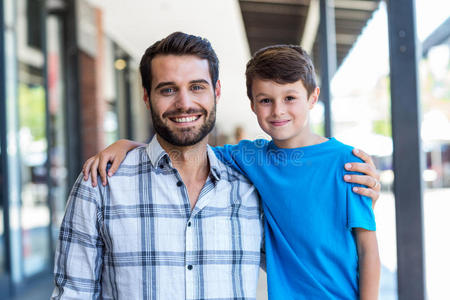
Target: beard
<point x="184" y="136"/>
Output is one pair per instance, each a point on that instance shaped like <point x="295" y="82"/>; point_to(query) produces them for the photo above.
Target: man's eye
<point x="197" y="87"/>
<point x="264" y="101"/>
<point x="167" y="91"/>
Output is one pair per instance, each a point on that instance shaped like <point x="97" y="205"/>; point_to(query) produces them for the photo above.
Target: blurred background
<point x="70" y="87"/>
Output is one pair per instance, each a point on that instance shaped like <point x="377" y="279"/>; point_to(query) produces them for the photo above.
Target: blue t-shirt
<point x="309" y="210"/>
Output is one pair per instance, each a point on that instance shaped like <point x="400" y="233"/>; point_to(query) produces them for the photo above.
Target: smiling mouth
<point x="182" y="120"/>
<point x="279" y="123"/>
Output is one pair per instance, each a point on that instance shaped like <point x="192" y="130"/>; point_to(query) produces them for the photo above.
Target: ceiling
<point x="269" y="22"/>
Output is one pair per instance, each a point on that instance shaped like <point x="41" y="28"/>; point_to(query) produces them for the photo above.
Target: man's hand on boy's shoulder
<point x="370" y="177"/>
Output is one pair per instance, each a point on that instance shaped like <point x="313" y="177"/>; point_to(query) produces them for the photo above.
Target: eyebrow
<point x="262" y="94"/>
<point x="199" y="81"/>
<point x="288" y="92"/>
<point x="166" y="83"/>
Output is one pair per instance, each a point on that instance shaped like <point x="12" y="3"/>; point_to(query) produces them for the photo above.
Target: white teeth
<point x="185" y="120"/>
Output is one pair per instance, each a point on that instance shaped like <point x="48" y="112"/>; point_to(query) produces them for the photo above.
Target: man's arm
<point x="79" y="259"/>
<point x="369" y="264"/>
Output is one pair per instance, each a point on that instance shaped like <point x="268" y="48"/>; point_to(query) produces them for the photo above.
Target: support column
<point x="5" y="277"/>
<point x="327" y="58"/>
<point x="408" y="159"/>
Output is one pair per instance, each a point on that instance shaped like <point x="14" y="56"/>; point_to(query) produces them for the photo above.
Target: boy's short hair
<point x="282" y="64"/>
<point x="179" y="43"/>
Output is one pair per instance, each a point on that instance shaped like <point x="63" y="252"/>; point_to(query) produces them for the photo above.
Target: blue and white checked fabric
<point x="137" y="238"/>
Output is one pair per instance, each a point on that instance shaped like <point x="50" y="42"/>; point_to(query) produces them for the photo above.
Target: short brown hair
<point x="282" y="64"/>
<point x="179" y="43"/>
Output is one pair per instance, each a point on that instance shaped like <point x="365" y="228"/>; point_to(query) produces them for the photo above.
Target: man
<point x="174" y="222"/>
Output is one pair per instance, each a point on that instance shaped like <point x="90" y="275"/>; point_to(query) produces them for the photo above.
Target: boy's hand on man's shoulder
<point x="370" y="177"/>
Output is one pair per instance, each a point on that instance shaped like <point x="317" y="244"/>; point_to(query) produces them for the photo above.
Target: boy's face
<point x="283" y="110"/>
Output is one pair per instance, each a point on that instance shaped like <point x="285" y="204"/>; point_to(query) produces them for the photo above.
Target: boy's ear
<point x="252" y="105"/>
<point x="314" y="97"/>
<point x="218" y="90"/>
<point x="146" y="99"/>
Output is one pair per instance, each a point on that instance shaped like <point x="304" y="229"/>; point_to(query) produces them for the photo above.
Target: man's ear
<point x="218" y="90"/>
<point x="314" y="97"/>
<point x="146" y="99"/>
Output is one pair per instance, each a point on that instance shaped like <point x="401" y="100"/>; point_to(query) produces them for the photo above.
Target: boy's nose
<point x="278" y="110"/>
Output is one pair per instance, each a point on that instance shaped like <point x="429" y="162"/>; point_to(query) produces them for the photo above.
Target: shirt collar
<point x="156" y="153"/>
<point x="159" y="158"/>
<point x="215" y="167"/>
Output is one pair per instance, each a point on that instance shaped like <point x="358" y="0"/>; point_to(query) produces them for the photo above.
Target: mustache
<point x="190" y="111"/>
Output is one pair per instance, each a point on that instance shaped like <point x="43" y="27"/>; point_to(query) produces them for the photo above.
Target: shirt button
<point x="161" y="166"/>
<point x="179" y="183"/>
<point x="189" y="267"/>
<point x="189" y="224"/>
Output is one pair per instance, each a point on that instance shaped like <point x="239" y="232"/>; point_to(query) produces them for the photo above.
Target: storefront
<point x="69" y="90"/>
<point x="33" y="148"/>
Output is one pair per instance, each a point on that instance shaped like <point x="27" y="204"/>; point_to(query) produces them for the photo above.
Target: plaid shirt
<point x="137" y="238"/>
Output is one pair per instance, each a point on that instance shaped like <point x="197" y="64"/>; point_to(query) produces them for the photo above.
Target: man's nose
<point x="183" y="99"/>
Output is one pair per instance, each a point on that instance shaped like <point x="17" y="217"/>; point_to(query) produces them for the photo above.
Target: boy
<point x="317" y="235"/>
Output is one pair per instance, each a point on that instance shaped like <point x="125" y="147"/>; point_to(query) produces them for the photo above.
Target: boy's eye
<point x="264" y="101"/>
<point x="290" y="98"/>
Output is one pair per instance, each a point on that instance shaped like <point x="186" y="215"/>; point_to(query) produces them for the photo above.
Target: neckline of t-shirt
<point x="306" y="149"/>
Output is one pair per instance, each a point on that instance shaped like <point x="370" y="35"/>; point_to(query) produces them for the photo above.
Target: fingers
<point x="93" y="172"/>
<point x="371" y="193"/>
<point x="364" y="156"/>
<point x="87" y="167"/>
<point x="368" y="181"/>
<point x="373" y="186"/>
<point x="371" y="179"/>
<point x="102" y="168"/>
<point x="115" y="165"/>
<point x="364" y="168"/>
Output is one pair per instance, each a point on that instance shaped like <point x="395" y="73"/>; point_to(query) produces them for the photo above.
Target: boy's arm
<point x="369" y="264"/>
<point x="369" y="178"/>
<point x="114" y="153"/>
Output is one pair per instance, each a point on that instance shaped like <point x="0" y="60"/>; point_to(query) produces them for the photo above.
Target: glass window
<point x="122" y="73"/>
<point x="33" y="144"/>
<point x="35" y="217"/>
<point x="111" y="122"/>
<point x="34" y="24"/>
